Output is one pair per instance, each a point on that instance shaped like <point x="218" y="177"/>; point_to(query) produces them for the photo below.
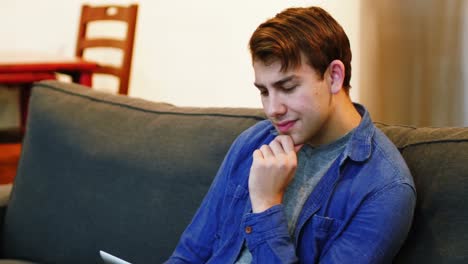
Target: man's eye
<point x="263" y="92"/>
<point x="289" y="88"/>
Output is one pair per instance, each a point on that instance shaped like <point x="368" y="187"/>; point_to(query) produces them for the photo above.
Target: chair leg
<point x="25" y="93"/>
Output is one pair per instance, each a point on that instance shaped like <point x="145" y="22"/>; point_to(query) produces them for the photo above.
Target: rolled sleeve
<point x="269" y="224"/>
<point x="267" y="236"/>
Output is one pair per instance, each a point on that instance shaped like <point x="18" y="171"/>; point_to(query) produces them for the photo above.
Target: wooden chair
<point x="89" y="14"/>
<point x="126" y="14"/>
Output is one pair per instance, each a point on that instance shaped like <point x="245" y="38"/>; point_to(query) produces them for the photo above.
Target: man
<point x="317" y="182"/>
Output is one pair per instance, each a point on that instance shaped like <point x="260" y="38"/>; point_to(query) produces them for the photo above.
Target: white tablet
<point x="109" y="259"/>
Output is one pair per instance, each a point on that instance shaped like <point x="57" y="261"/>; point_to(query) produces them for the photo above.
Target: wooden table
<point x="23" y="68"/>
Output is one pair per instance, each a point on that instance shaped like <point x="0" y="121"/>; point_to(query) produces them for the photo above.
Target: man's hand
<point x="272" y="169"/>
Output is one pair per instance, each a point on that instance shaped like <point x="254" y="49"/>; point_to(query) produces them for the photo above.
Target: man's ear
<point x="336" y="71"/>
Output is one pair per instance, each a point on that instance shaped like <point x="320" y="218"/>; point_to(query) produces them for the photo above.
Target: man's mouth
<point x="285" y="126"/>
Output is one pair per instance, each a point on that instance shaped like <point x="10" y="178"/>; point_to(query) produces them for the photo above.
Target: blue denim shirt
<point x="360" y="211"/>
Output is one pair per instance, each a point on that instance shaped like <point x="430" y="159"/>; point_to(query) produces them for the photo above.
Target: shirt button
<point x="248" y="230"/>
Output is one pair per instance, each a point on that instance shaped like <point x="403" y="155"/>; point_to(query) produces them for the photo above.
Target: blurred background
<point x="410" y="64"/>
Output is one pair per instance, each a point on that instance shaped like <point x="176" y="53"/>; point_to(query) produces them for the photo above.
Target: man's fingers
<point x="277" y="148"/>
<point x="286" y="142"/>
<point x="281" y="145"/>
<point x="257" y="154"/>
<point x="266" y="151"/>
<point x="298" y="147"/>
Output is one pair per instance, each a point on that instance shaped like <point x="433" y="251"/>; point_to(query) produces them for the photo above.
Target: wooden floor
<point x="9" y="157"/>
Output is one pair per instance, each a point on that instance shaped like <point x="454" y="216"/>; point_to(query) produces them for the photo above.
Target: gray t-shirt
<point x="313" y="163"/>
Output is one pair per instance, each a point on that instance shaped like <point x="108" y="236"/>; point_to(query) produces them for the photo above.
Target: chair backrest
<point x="126" y="14"/>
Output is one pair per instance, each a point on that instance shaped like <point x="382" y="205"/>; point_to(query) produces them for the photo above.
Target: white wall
<point x="186" y="52"/>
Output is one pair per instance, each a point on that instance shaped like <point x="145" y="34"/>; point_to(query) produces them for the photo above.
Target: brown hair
<point x="310" y="31"/>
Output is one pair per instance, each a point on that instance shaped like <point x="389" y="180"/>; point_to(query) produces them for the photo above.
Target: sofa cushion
<point x="124" y="175"/>
<point x="438" y="160"/>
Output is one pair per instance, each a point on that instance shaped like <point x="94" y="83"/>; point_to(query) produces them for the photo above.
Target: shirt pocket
<point x="324" y="228"/>
<point x="236" y="201"/>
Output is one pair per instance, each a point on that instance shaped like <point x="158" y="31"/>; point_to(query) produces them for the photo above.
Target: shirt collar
<point x="359" y="147"/>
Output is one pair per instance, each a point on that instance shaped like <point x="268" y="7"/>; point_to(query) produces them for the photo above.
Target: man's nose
<point x="275" y="106"/>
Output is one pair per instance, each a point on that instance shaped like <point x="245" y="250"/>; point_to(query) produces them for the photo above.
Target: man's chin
<point x="296" y="139"/>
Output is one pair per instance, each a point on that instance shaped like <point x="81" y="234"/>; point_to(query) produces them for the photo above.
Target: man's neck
<point x="343" y="118"/>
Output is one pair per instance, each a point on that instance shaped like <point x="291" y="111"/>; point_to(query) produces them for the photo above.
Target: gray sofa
<point x="124" y="175"/>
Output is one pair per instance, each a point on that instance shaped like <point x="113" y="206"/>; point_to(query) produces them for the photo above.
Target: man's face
<point x="297" y="102"/>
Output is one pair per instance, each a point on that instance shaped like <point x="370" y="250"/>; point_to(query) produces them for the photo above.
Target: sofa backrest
<point x="438" y="160"/>
<point x="101" y="171"/>
<point x="124" y="175"/>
